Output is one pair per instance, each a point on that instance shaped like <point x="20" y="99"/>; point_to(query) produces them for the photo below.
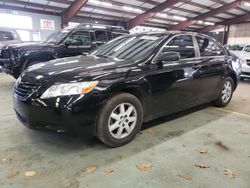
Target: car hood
<point x="79" y="68"/>
<point x="244" y="55"/>
<point x="27" y="46"/>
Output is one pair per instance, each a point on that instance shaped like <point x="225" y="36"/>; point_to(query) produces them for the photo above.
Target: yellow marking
<point x="236" y="113"/>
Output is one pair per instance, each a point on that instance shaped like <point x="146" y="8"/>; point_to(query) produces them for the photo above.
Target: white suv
<point x="242" y="51"/>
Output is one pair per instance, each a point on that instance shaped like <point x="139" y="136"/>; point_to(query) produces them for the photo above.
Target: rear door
<point x="212" y="59"/>
<point x="101" y="37"/>
<point x="175" y="85"/>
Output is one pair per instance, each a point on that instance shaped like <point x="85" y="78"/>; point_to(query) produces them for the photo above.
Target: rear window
<point x="5" y="36"/>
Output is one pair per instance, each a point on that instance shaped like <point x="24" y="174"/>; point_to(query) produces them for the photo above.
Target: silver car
<point x="9" y="37"/>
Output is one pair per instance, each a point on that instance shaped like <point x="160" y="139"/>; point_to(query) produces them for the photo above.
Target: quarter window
<point x="208" y="48"/>
<point x="80" y="38"/>
<point x="183" y="44"/>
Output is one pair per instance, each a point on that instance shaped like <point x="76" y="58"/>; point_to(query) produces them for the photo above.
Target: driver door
<point x="174" y="83"/>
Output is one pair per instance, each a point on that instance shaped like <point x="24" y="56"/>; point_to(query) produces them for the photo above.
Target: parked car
<point x="238" y="49"/>
<point x="243" y="52"/>
<point x="69" y="42"/>
<point x="131" y="80"/>
<point x="8" y="37"/>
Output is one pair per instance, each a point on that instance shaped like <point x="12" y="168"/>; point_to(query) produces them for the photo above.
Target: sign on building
<point x="47" y="24"/>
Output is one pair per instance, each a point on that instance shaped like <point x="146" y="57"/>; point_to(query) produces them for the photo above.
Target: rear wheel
<point x="120" y="120"/>
<point x="226" y="93"/>
<point x="242" y="78"/>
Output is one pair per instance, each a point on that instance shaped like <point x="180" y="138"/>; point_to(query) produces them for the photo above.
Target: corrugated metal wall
<point x="239" y="34"/>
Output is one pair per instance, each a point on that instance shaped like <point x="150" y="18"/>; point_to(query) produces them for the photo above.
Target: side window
<point x="109" y="34"/>
<point x="183" y="44"/>
<point x="101" y="36"/>
<point x="5" y="36"/>
<point x="208" y="48"/>
<point x="79" y="38"/>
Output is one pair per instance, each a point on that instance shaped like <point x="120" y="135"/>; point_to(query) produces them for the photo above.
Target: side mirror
<point x="68" y="43"/>
<point x="169" y="56"/>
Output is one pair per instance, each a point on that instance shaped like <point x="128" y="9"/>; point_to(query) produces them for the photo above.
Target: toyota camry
<point x="128" y="81"/>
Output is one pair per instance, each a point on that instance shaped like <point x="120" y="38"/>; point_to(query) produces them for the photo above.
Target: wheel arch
<point x="235" y="79"/>
<point x="140" y="92"/>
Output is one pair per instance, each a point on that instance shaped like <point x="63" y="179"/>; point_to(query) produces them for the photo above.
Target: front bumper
<point x="77" y="120"/>
<point x="245" y="71"/>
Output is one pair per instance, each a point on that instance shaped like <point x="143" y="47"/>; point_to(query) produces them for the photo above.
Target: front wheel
<point x="119" y="120"/>
<point x="226" y="93"/>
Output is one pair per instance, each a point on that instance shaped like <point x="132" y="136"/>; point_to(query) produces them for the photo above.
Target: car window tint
<point x="80" y="38"/>
<point x="183" y="44"/>
<point x="208" y="48"/>
<point x="101" y="36"/>
<point x="109" y="34"/>
<point x="5" y="36"/>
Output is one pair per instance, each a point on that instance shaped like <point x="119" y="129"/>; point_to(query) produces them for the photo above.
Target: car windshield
<point x="56" y="38"/>
<point x="133" y="47"/>
<point x="236" y="48"/>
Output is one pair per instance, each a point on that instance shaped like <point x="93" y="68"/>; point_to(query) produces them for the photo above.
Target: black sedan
<point x="128" y="81"/>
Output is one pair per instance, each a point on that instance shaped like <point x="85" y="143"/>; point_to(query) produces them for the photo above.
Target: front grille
<point x="24" y="90"/>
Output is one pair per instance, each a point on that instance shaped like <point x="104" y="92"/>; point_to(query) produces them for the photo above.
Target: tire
<point x="242" y="78"/>
<point x="111" y="114"/>
<point x="226" y="93"/>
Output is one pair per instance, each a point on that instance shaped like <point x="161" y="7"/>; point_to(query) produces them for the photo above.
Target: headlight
<point x="79" y="88"/>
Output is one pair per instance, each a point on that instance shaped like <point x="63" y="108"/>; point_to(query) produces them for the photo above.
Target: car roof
<point x="170" y="32"/>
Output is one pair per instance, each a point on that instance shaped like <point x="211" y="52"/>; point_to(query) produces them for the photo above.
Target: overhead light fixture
<point x="101" y="3"/>
<point x="161" y="15"/>
<point x="95" y="2"/>
<point x="208" y="23"/>
<point x="200" y="22"/>
<point x="180" y="18"/>
<point x="247" y="4"/>
<point x="107" y="4"/>
<point x="132" y="9"/>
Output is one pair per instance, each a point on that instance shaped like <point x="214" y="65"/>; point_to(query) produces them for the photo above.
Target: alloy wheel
<point x="227" y="91"/>
<point x="122" y="120"/>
